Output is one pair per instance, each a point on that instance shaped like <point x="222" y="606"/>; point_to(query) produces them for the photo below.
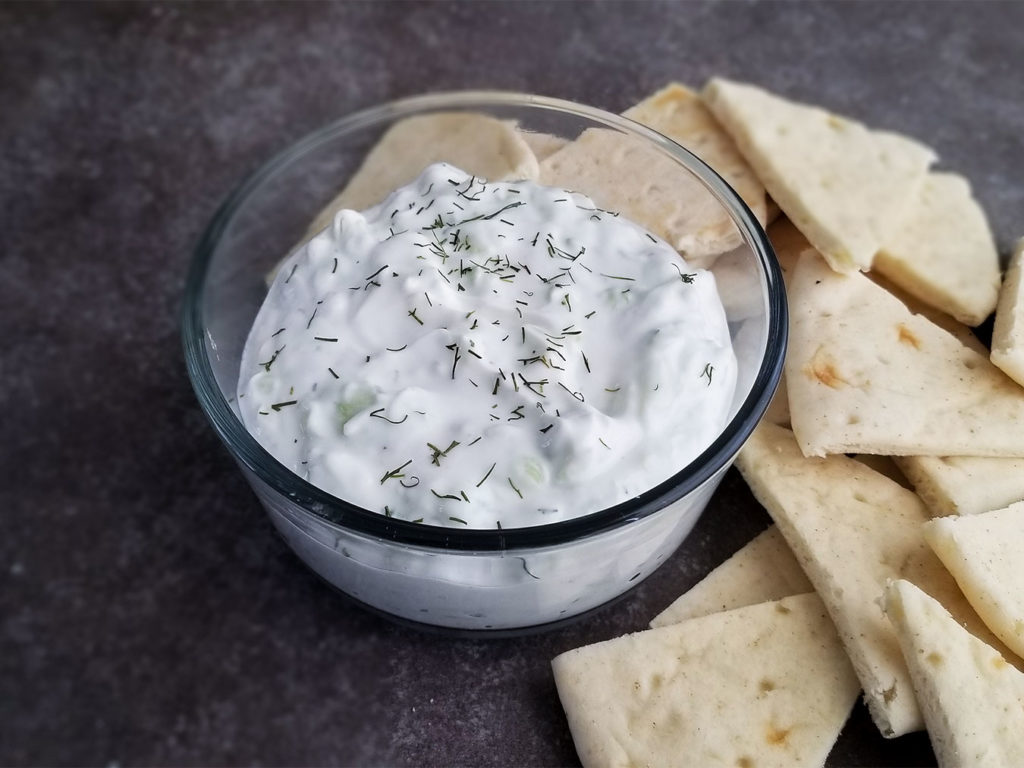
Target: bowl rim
<point x="333" y="510"/>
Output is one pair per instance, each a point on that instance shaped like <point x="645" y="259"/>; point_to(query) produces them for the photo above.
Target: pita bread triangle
<point x="664" y="198"/>
<point x="866" y="375"/>
<point x="964" y="485"/>
<point x="1008" y="332"/>
<point x="678" y="113"/>
<point x="764" y="685"/>
<point x="853" y="530"/>
<point x="844" y="186"/>
<point x="489" y="148"/>
<point x="983" y="553"/>
<point x="973" y="700"/>
<point x="763" y="569"/>
<point x="943" y="252"/>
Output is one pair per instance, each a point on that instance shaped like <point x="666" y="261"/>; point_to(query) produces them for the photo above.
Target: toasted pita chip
<point x="678" y="113"/>
<point x="665" y="198"/>
<point x="764" y="569"/>
<point x="1008" y="333"/>
<point x="983" y="552"/>
<point x="764" y="685"/>
<point x="844" y="187"/>
<point x="852" y="530"/>
<point x="943" y="253"/>
<point x="866" y="375"/>
<point x="972" y="699"/>
<point x="964" y="485"/>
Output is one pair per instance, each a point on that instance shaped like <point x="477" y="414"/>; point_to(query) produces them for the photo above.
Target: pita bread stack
<point x="763" y="685"/>
<point x="973" y="700"/>
<point x="852" y="530"/>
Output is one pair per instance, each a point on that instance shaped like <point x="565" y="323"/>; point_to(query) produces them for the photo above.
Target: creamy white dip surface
<point x="486" y="354"/>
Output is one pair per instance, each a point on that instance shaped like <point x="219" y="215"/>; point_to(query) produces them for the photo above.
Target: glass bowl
<point x="465" y="579"/>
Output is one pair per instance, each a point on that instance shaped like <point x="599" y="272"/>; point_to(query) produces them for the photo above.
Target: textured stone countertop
<point x="148" y="612"/>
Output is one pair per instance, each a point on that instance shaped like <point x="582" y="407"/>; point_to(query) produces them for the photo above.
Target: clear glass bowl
<point x="508" y="579"/>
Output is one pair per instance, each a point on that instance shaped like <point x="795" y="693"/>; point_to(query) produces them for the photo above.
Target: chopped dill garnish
<point x="326" y="338"/>
<point x="445" y="495"/>
<point x="484" y="478"/>
<point x="686" y="277"/>
<point x="455" y="357"/>
<point x="709" y="369"/>
<point x="279" y="406"/>
<point x="438" y="454"/>
<point x="395" y="473"/>
<point x="577" y="395"/>
<point x="518" y="492"/>
<point x="457" y="519"/>
<point x="376" y="414"/>
<point x="412" y="314"/>
<point x="376" y="273"/>
<point x="270" y="362"/>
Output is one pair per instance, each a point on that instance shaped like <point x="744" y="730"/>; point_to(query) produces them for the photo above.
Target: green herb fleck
<point x="484" y="478"/>
<point x="395" y="473"/>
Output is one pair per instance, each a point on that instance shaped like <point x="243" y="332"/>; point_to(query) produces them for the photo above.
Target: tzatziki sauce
<point x="486" y="355"/>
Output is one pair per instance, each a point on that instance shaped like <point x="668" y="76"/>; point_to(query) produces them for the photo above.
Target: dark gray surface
<point x="149" y="614"/>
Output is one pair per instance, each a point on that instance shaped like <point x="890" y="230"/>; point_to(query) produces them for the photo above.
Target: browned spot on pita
<point x="999" y="662"/>
<point x="907" y="337"/>
<point x="744" y="762"/>
<point x="824" y="370"/>
<point x="934" y="658"/>
<point x="777" y="736"/>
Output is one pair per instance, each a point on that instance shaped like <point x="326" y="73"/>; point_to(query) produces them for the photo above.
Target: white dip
<point x="486" y="355"/>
